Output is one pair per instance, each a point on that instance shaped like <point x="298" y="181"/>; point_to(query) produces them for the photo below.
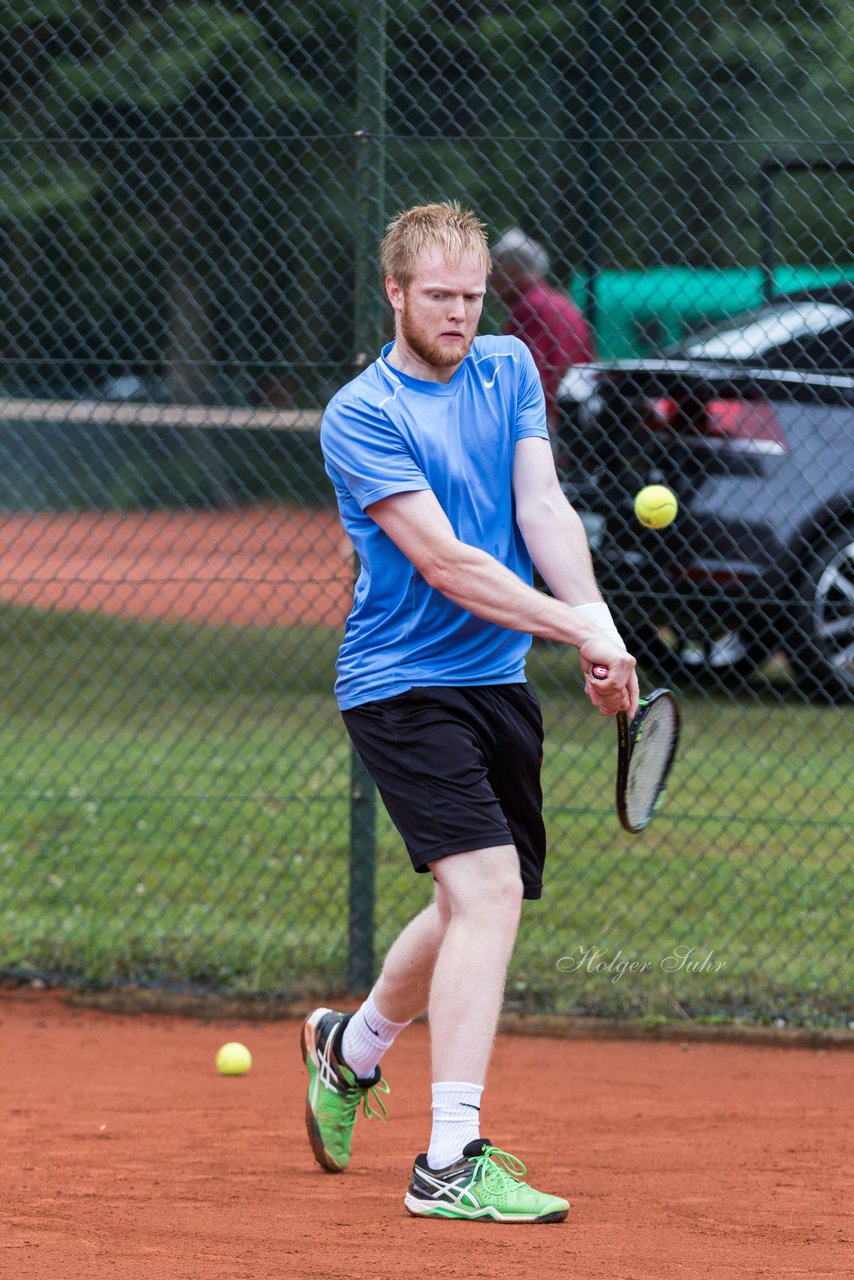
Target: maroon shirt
<point x="556" y="333"/>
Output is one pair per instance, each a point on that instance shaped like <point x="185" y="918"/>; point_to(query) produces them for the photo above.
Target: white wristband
<point x="600" y="615"/>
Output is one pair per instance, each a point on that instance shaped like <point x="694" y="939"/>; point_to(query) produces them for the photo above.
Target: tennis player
<point x="440" y="457"/>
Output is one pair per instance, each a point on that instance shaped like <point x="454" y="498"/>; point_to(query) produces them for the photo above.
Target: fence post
<point x="370" y="205"/>
<point x="592" y="154"/>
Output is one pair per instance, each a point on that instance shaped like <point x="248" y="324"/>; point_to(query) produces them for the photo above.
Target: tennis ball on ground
<point x="656" y="506"/>
<point x="233" y="1059"/>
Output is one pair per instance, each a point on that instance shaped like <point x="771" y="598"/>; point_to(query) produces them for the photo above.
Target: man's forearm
<point x="482" y="585"/>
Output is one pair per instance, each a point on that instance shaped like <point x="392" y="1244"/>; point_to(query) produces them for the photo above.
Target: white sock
<point x="366" y="1037"/>
<point x="456" y="1120"/>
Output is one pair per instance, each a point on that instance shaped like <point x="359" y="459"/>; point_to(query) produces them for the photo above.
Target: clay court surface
<point x="250" y="566"/>
<point x="128" y="1156"/>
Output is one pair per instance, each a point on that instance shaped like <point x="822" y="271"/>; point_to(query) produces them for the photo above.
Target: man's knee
<point x="482" y="882"/>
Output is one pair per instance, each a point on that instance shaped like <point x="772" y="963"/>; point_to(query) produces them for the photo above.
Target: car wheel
<point x="821" y="645"/>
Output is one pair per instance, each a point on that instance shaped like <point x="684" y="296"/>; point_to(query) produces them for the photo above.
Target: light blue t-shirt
<point x="387" y="433"/>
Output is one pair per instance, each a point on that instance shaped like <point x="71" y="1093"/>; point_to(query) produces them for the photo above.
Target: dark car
<point x="751" y="424"/>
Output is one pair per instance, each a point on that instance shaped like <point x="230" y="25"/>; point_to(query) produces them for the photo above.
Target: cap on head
<point x="518" y="254"/>
<point x="450" y="227"/>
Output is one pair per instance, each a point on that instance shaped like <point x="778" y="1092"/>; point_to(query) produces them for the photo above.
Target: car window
<point x="829" y="352"/>
<point x="772" y="329"/>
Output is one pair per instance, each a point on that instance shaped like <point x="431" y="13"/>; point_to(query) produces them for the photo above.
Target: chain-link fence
<point x="192" y="200"/>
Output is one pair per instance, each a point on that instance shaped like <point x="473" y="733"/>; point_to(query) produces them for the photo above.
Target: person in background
<point x="548" y="322"/>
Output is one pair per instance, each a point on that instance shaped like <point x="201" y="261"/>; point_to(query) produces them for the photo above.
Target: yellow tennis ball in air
<point x="656" y="506"/>
<point x="233" y="1059"/>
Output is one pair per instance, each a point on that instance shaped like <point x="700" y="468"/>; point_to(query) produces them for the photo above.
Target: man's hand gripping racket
<point x="646" y="749"/>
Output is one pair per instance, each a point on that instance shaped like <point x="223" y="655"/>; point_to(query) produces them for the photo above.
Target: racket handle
<point x="599" y="673"/>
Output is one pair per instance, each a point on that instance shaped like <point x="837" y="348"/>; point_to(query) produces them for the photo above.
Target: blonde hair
<point x="456" y="231"/>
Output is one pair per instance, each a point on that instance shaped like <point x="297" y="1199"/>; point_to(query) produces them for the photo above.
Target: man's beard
<point x="439" y="355"/>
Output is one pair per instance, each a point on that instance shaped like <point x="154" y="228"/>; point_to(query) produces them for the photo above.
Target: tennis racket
<point x="645" y="754"/>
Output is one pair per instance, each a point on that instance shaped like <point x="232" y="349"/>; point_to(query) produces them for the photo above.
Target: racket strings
<point x="650" y="759"/>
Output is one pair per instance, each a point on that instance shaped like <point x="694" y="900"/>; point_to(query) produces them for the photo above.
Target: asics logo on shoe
<point x="327" y="1068"/>
<point x="450" y="1182"/>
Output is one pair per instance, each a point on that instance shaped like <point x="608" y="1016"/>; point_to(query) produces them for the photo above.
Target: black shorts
<point x="458" y="769"/>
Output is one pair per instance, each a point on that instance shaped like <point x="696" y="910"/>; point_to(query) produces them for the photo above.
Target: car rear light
<point x="703" y="574"/>
<point x="748" y="426"/>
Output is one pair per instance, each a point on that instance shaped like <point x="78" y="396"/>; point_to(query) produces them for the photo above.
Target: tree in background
<point x="178" y="179"/>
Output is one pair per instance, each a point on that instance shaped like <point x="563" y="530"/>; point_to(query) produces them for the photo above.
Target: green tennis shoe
<point x="335" y="1093"/>
<point x="485" y="1184"/>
